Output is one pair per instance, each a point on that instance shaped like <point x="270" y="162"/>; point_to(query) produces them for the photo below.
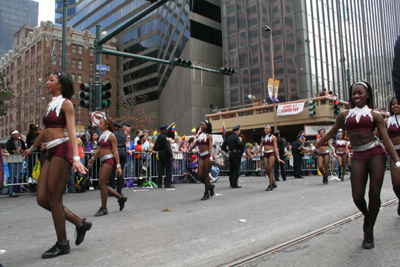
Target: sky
<point x="46" y="10"/>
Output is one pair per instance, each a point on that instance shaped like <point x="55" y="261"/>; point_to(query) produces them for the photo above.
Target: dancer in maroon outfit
<point x="368" y="157"/>
<point x="62" y="152"/>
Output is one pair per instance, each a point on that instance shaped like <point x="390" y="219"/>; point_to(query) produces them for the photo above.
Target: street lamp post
<point x="266" y="28"/>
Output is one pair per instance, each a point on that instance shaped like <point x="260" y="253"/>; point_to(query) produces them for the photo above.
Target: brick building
<point x="36" y="53"/>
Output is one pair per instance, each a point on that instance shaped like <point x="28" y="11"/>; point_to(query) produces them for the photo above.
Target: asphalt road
<point x="205" y="233"/>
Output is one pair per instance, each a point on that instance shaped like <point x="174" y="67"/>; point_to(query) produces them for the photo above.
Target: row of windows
<point x="79" y="49"/>
<point x="141" y="86"/>
<point x="136" y="62"/>
<point x="73" y="64"/>
<point x="205" y="33"/>
<point x="142" y="30"/>
<point x="151" y="96"/>
<point x="206" y="9"/>
<point x="140" y="73"/>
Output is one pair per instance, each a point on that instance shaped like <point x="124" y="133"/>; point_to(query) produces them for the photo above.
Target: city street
<point x="161" y="227"/>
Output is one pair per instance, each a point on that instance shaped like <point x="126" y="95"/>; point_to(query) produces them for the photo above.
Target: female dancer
<point x="340" y="147"/>
<point x="205" y="142"/>
<point x="109" y="159"/>
<point x="323" y="156"/>
<point x="62" y="152"/>
<point x="369" y="156"/>
<point x="393" y="128"/>
<point x="271" y="151"/>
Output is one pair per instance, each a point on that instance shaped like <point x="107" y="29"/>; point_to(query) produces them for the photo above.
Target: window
<point x="73" y="77"/>
<point x="79" y="49"/>
<point x="91" y="79"/>
<point x="80" y="64"/>
<point x="79" y="78"/>
<point x="91" y="66"/>
<point x="73" y="63"/>
<point x="91" y="52"/>
<point x="73" y="48"/>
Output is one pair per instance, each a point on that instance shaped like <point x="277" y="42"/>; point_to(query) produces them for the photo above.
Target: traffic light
<point x="336" y="108"/>
<point x="311" y="108"/>
<point x="84" y="95"/>
<point x="226" y="71"/>
<point x="105" y="95"/>
<point x="181" y="62"/>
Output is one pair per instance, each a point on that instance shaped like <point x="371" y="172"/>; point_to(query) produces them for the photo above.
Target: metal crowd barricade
<point x="144" y="166"/>
<point x="254" y="166"/>
<point x="18" y="169"/>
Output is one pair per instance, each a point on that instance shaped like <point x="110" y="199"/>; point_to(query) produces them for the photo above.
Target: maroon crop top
<point x="203" y="139"/>
<point x="267" y="141"/>
<point x="360" y="120"/>
<point x="341" y="143"/>
<point x="392" y="127"/>
<point x="105" y="144"/>
<point x="55" y="117"/>
<point x="51" y="120"/>
<point x="104" y="140"/>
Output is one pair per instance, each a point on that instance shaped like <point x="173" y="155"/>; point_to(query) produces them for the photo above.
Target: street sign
<point x="97" y="116"/>
<point x="102" y="67"/>
<point x="103" y="72"/>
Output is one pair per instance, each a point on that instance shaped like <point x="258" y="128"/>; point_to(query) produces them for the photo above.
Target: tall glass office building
<point x="316" y="43"/>
<point x="13" y="15"/>
<point x="179" y="29"/>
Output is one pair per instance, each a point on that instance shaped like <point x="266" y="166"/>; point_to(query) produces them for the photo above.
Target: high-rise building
<point x="14" y="14"/>
<point x="316" y="44"/>
<point x="184" y="29"/>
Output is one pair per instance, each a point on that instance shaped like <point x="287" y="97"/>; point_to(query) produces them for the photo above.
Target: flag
<point x="193" y="130"/>
<point x="184" y="137"/>
<point x="154" y="132"/>
<point x="176" y="133"/>
<point x="173" y="128"/>
<point x="223" y="128"/>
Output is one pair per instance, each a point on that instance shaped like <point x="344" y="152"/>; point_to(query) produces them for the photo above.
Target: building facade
<point x="36" y="53"/>
<point x="14" y="14"/>
<point x="185" y="29"/>
<point x="316" y="44"/>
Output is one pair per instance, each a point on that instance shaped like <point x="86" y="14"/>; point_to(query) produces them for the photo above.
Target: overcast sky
<point x="46" y="10"/>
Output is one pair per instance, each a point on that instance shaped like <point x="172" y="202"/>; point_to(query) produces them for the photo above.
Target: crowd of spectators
<point x="141" y="160"/>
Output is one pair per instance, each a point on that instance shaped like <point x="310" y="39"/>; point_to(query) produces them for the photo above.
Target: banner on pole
<point x="271" y="88"/>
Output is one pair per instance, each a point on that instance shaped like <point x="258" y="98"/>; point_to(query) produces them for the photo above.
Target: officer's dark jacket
<point x="163" y="144"/>
<point x="233" y="142"/>
<point x="281" y="146"/>
<point x="121" y="138"/>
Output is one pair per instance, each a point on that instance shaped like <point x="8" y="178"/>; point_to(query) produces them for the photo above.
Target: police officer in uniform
<point x="121" y="140"/>
<point x="165" y="157"/>
<point x="281" y="147"/>
<point x="297" y="147"/>
<point x="236" y="149"/>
